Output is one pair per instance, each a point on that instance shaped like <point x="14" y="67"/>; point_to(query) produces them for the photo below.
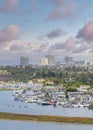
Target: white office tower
<point x="44" y="61"/>
<point x="51" y="59"/>
<point x="88" y="64"/>
<point x="24" y="61"/>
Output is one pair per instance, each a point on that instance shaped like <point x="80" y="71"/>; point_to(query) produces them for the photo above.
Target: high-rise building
<point x="68" y="60"/>
<point x="51" y="59"/>
<point x="24" y="61"/>
<point x="88" y="64"/>
<point x="44" y="61"/>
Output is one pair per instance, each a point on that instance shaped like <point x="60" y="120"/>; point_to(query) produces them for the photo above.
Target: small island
<point x="44" y="118"/>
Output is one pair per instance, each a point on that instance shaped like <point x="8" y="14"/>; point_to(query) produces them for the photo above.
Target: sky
<point x="35" y="28"/>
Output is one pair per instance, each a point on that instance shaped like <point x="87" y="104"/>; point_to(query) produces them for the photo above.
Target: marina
<point x="8" y="104"/>
<point x="51" y="95"/>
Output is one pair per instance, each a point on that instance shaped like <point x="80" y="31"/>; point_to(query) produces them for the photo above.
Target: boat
<point x="45" y="103"/>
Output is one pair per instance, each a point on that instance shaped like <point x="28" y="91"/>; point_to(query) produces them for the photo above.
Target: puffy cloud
<point x="82" y="47"/>
<point x="9" y="33"/>
<point x="14" y="49"/>
<point x="21" y="46"/>
<point x="63" y="9"/>
<point x="71" y="45"/>
<point x="57" y="46"/>
<point x="67" y="45"/>
<point x="11" y="51"/>
<point x="55" y="33"/>
<point x="86" y="33"/>
<point x="9" y="6"/>
<point x="43" y="47"/>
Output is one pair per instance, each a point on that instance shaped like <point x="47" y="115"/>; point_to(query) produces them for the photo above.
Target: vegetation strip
<point x="25" y="117"/>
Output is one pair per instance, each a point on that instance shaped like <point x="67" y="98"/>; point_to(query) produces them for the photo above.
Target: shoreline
<point x="44" y="118"/>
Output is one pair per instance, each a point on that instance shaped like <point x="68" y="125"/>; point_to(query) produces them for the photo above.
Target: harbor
<point x="51" y="95"/>
<point x="8" y="104"/>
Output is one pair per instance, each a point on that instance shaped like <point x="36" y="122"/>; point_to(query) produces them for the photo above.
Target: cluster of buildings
<point x="49" y="60"/>
<point x="69" y="62"/>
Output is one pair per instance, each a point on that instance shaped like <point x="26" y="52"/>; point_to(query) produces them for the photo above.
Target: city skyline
<point x="35" y="28"/>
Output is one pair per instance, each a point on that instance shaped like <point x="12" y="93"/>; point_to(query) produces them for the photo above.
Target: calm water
<point x="19" y="125"/>
<point x="7" y="104"/>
